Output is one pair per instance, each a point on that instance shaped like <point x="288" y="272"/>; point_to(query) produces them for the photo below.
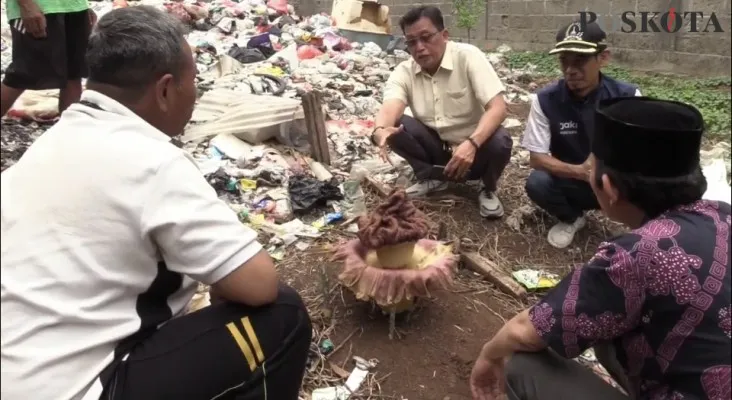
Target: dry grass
<point x="320" y="295"/>
<point x="319" y="299"/>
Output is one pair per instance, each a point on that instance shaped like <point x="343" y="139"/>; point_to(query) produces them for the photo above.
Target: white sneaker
<point x="562" y="234"/>
<point x="490" y="205"/>
<point x="426" y="187"/>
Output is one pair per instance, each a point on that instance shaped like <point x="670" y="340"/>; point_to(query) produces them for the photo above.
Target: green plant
<point x="543" y="64"/>
<point x="467" y="13"/>
<point x="712" y="96"/>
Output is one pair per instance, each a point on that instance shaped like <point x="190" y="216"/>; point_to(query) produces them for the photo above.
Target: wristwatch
<point x="373" y="138"/>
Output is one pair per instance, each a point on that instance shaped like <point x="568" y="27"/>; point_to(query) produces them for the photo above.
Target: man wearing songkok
<point x="558" y="130"/>
<point x="654" y="303"/>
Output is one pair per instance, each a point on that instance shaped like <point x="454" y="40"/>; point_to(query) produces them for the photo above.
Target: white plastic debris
<point x="511" y="123"/>
<point x="717" y="187"/>
<point x="359" y="373"/>
<point x="228" y="111"/>
<point x="321" y="173"/>
<point x="353" y="383"/>
<point x="331" y="393"/>
<point x="504" y="48"/>
<point x="715" y="164"/>
<point x="200" y="300"/>
<point x="233" y="147"/>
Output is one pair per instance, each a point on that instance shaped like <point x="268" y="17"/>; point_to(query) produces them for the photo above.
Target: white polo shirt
<point x="106" y="226"/>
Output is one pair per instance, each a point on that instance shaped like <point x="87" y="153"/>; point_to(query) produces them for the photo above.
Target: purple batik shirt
<point x="661" y="296"/>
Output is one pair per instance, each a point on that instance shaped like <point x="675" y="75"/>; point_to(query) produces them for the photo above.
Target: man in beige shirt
<point x="456" y="101"/>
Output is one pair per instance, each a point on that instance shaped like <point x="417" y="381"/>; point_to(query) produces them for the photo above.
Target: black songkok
<point x="648" y="137"/>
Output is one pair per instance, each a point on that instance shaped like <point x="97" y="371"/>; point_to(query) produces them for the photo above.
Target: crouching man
<point x="648" y="300"/>
<point x="559" y="129"/>
<point x="100" y="261"/>
<point x="456" y="101"/>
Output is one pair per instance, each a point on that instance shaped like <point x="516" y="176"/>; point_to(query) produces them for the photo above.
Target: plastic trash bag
<point x="306" y="193"/>
<point x="262" y="43"/>
<point x="246" y="56"/>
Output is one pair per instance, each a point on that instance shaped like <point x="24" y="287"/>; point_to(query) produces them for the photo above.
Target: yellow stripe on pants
<point x="243" y="346"/>
<point x="249" y="329"/>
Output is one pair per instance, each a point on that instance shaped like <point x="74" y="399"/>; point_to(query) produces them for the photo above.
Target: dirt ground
<point x="441" y="340"/>
<point x="434" y="356"/>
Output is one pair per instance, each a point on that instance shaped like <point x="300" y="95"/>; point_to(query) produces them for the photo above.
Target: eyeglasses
<point x="424" y="39"/>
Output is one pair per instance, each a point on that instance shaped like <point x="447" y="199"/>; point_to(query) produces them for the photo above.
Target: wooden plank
<point x="493" y="274"/>
<point x="381" y="189"/>
<point x="315" y="123"/>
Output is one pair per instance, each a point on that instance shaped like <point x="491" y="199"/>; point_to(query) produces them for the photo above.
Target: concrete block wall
<point x="533" y="24"/>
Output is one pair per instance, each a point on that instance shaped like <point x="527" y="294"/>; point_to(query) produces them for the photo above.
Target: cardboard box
<point x="363" y="16"/>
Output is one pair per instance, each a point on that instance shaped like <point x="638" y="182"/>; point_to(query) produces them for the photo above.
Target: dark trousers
<point x="422" y="147"/>
<point x="547" y="376"/>
<point x="224" y="351"/>
<point x="50" y="62"/>
<point x="563" y="198"/>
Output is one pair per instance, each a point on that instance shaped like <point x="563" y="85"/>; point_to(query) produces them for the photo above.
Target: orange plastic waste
<point x="119" y="4"/>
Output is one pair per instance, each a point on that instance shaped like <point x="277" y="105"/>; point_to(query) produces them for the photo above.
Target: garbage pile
<point x="255" y="55"/>
<point x="260" y="55"/>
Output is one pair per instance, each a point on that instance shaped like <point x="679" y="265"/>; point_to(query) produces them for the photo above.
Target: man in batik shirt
<point x="654" y="302"/>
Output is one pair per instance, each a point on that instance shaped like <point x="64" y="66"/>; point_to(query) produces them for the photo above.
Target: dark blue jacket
<point x="572" y="121"/>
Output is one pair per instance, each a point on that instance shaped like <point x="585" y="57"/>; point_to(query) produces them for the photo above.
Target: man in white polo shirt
<point x="106" y="229"/>
<point x="456" y="100"/>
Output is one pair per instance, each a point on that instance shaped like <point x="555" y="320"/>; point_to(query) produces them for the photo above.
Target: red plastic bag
<point x="278" y="5"/>
<point x="308" y="52"/>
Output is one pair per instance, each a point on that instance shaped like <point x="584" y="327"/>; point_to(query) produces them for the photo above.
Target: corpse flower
<point x="392" y="263"/>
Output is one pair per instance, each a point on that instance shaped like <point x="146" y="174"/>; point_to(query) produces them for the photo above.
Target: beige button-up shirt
<point x="453" y="99"/>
